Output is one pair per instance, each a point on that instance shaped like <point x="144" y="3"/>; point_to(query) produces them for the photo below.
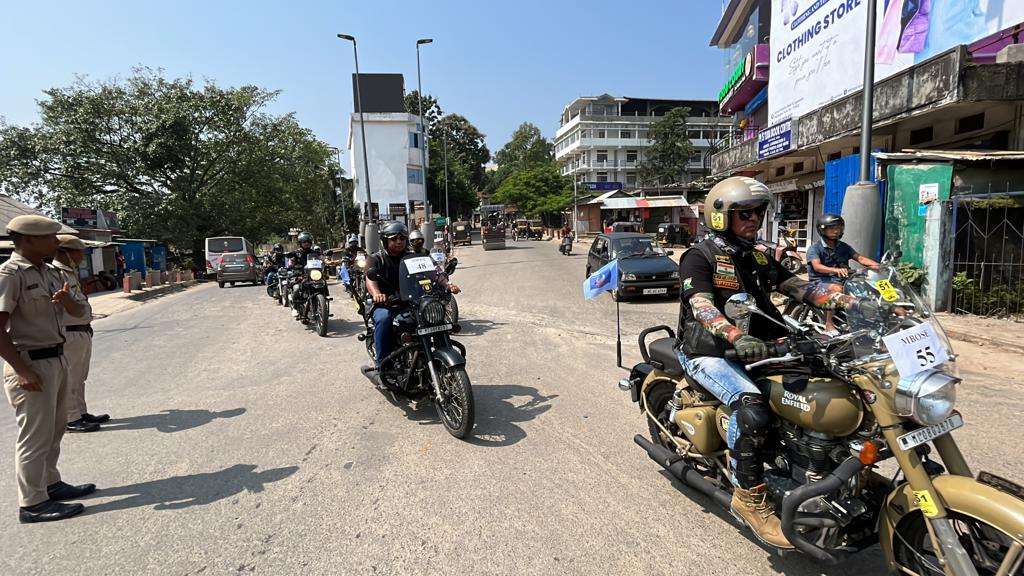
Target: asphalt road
<point x="243" y="443"/>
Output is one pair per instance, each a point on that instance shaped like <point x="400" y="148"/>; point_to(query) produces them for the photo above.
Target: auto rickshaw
<point x="536" y="230"/>
<point x="492" y="234"/>
<point x="521" y="229"/>
<point x="461" y="233"/>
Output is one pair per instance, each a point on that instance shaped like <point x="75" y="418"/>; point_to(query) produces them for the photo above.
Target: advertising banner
<point x="817" y="46"/>
<point x="78" y="217"/>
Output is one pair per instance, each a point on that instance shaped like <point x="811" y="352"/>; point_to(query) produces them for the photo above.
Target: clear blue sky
<point x="497" y="63"/>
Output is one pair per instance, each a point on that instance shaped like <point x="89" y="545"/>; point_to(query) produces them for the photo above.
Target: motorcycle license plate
<point x="432" y="329"/>
<point x="655" y="290"/>
<point x="922" y="435"/>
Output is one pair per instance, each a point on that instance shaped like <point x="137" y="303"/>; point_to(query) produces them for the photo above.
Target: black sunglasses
<point x="749" y="213"/>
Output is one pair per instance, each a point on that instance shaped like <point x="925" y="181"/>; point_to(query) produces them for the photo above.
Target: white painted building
<point x="603" y="138"/>
<point x="395" y="158"/>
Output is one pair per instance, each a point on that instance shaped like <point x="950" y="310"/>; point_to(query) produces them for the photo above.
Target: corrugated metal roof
<point x="631" y="203"/>
<point x="10" y="208"/>
<point x="967" y="155"/>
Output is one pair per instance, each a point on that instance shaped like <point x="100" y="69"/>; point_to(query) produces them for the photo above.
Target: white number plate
<point x="432" y="329"/>
<point x="419" y="265"/>
<point x="655" y="290"/>
<point x="922" y="435"/>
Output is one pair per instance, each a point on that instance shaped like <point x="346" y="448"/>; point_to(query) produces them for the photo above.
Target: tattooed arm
<point x="704" y="310"/>
<point x="820" y="295"/>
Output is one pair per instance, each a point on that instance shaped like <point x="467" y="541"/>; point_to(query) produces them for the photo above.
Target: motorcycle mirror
<point x="740" y="306"/>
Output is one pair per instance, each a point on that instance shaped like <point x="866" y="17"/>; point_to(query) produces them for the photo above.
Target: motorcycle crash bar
<point x="840" y="476"/>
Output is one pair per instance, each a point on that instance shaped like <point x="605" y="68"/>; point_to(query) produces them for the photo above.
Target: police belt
<point x="44" y="353"/>
<point x="79" y="328"/>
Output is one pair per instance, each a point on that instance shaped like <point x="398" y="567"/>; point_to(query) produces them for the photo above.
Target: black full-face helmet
<point x="305" y="237"/>
<point x="278" y="248"/>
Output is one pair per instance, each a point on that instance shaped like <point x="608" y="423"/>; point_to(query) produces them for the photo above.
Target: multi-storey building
<point x="602" y="138"/>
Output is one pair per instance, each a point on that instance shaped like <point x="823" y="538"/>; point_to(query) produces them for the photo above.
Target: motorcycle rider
<point x="828" y="261"/>
<point x="297" y="260"/>
<point x="416" y="242"/>
<point x="725" y="264"/>
<point x="352" y="249"/>
<point x="382" y="282"/>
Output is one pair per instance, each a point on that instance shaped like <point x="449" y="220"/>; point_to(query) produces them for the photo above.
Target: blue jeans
<point x="723" y="378"/>
<point x="383" y="318"/>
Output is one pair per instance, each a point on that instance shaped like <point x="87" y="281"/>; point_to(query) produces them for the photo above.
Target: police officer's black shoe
<point x="81" y="425"/>
<point x="97" y="419"/>
<point x="65" y="491"/>
<point x="48" y="511"/>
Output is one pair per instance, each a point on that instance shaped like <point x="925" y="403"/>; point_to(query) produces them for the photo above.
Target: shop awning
<point x="634" y="203"/>
<point x="969" y="155"/>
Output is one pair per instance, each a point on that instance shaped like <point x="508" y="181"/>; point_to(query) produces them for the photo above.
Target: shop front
<point x="651" y="212"/>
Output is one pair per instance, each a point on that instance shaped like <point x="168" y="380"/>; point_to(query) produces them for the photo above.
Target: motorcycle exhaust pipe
<point x="675" y="465"/>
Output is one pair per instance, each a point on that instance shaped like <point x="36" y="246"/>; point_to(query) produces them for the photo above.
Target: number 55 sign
<point x="916" y="349"/>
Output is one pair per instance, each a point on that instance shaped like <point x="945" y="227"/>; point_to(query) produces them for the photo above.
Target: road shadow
<point x="476" y="327"/>
<point x="243" y="284"/>
<point x="180" y="492"/>
<point x="170" y="420"/>
<point x="499" y="410"/>
<point x="790" y="562"/>
<point x="340" y="328"/>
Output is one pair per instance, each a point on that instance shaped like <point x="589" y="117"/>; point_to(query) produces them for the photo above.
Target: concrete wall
<point x="390" y="158"/>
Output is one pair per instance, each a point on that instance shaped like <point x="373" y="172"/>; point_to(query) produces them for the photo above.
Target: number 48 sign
<point x="916" y="349"/>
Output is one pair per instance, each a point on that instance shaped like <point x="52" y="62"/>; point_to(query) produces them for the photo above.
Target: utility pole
<point x="428" y="224"/>
<point x="447" y="206"/>
<point x="862" y="207"/>
<point x="370" y="235"/>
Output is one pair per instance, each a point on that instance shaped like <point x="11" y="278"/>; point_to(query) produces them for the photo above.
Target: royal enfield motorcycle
<point x="426" y="363"/>
<point x="310" y="297"/>
<point x="884" y="391"/>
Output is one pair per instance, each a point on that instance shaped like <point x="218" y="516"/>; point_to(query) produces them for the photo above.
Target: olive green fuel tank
<point x="826" y="405"/>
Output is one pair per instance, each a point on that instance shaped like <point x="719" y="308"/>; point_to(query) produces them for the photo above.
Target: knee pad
<point x="752" y="415"/>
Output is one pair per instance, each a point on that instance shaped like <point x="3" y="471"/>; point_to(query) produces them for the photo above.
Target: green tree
<point x="667" y="159"/>
<point x="537" y="190"/>
<point x="465" y="144"/>
<point x="431" y="109"/>
<point x="527" y="147"/>
<point x="178" y="161"/>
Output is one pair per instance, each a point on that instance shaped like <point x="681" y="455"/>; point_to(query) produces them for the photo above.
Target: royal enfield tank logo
<point x="796" y="401"/>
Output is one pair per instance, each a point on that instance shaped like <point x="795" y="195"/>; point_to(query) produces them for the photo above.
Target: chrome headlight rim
<point x="927" y="397"/>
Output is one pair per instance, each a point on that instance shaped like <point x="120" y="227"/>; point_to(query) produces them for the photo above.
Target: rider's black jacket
<point x="722" y="269"/>
<point x="384" y="271"/>
<point x="276" y="259"/>
<point x="299" y="257"/>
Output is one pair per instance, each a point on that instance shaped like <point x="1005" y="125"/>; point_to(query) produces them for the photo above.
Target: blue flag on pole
<point x="607" y="278"/>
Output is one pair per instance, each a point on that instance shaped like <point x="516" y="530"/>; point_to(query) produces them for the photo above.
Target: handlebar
<point x="780" y="349"/>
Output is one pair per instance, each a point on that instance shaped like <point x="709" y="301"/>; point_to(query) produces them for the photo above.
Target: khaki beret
<point x="32" y="225"/>
<point x="71" y="242"/>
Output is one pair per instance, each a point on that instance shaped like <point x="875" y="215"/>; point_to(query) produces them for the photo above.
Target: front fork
<point x="940" y="527"/>
<point x="435" y="377"/>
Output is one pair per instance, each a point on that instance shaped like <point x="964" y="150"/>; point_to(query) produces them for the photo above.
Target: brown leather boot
<point x="753" y="508"/>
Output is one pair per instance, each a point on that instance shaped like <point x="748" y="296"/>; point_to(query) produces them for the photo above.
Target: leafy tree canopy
<point x="667" y="159"/>
<point x="537" y="190"/>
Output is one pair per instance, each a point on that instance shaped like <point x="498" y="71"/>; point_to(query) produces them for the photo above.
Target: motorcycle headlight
<point x="926" y="397"/>
<point x="629" y="276"/>
<point x="315" y="275"/>
<point x="432" y="312"/>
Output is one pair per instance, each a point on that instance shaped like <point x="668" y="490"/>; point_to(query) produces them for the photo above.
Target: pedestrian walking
<point x="78" y="337"/>
<point x="33" y="302"/>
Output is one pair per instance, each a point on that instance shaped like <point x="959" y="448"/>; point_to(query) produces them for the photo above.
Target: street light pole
<point x="428" y="224"/>
<point x="370" y="236"/>
<point x="862" y="206"/>
<point x="447" y="206"/>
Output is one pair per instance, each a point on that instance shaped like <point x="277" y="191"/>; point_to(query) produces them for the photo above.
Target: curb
<point x="973" y="338"/>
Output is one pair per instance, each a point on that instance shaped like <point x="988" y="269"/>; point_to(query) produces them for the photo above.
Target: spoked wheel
<point x="988" y="547"/>
<point x="456" y="406"/>
<point x="320" y="314"/>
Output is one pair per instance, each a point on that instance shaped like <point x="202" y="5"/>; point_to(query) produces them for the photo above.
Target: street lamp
<point x="370" y="235"/>
<point x="428" y="224"/>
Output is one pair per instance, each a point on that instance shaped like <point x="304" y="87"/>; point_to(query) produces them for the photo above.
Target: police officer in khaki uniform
<point x="33" y="302"/>
<point x="78" y="337"/>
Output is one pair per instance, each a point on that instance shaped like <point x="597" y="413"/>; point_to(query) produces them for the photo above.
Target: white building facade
<point x="393" y="149"/>
<point x="602" y="139"/>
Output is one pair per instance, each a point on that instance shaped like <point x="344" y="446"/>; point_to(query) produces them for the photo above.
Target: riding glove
<point x="750" y="349"/>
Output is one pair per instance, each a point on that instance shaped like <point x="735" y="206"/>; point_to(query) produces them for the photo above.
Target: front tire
<point x="321" y="314"/>
<point x="986" y="545"/>
<point x="456" y="409"/>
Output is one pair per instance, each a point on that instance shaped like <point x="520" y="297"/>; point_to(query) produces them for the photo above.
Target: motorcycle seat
<point x="663" y="353"/>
